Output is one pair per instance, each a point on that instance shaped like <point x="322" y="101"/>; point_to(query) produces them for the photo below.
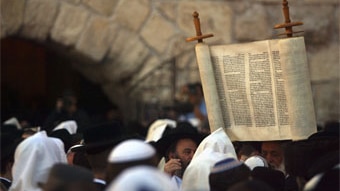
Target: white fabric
<point x="196" y="176"/>
<point x="157" y="128"/>
<point x="218" y="141"/>
<point x="13" y="121"/>
<point x="131" y="150"/>
<point x="33" y="159"/>
<point x="70" y="126"/>
<point x="142" y="178"/>
<point x="255" y="161"/>
<point x="176" y="181"/>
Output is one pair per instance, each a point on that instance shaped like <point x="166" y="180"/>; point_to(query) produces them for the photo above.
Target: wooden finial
<point x="199" y="37"/>
<point x="288" y="25"/>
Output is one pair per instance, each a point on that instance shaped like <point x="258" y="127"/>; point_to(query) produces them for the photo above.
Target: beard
<point x="280" y="167"/>
<point x="184" y="166"/>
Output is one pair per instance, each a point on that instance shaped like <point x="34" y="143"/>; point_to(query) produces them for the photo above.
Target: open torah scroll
<point x="258" y="91"/>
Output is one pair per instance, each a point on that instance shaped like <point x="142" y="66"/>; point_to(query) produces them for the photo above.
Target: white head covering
<point x="70" y="126"/>
<point x="142" y="178"/>
<point x="255" y="161"/>
<point x="33" y="159"/>
<point x="218" y="141"/>
<point x="157" y="128"/>
<point x="13" y="121"/>
<point x="131" y="150"/>
<point x="196" y="176"/>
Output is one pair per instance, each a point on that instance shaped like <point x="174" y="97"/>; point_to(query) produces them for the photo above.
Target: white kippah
<point x="131" y="150"/>
<point x="255" y="161"/>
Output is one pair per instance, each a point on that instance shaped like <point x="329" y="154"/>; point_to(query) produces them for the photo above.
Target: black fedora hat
<point x="171" y="135"/>
<point x="102" y="136"/>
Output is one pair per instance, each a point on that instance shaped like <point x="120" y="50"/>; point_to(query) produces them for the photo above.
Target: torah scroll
<point x="258" y="91"/>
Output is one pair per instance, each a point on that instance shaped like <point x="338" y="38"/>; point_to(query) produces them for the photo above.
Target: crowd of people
<point x="69" y="154"/>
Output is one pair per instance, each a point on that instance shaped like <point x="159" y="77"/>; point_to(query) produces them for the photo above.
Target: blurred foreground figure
<point x="63" y="177"/>
<point x="142" y="178"/>
<point x="33" y="160"/>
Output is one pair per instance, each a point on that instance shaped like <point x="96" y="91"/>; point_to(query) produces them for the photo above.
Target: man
<point x="179" y="144"/>
<point x="10" y="139"/>
<point x="63" y="177"/>
<point x="129" y="153"/>
<point x="99" y="141"/>
<point x="272" y="151"/>
<point x="33" y="159"/>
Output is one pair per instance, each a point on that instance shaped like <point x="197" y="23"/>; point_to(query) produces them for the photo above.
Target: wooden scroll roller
<point x="199" y="37"/>
<point x="288" y="25"/>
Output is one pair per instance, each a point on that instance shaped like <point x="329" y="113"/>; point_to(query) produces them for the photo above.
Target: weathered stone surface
<point x="326" y="100"/>
<point x="317" y="22"/>
<point x="132" y="14"/>
<point x="104" y="7"/>
<point x="73" y="1"/>
<point x="145" y="72"/>
<point x="128" y="53"/>
<point x="69" y="24"/>
<point x="168" y="8"/>
<point x="39" y="18"/>
<point x="324" y="1"/>
<point x="252" y="25"/>
<point x="215" y="17"/>
<point x="324" y="64"/>
<point x="12" y="13"/>
<point x="157" y="32"/>
<point x="96" y="39"/>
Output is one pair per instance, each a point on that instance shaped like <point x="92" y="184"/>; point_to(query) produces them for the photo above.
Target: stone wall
<point x="136" y="50"/>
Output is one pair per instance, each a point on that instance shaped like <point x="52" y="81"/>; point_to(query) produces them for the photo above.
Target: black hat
<point x="64" y="136"/>
<point x="63" y="175"/>
<point x="274" y="178"/>
<point x="102" y="136"/>
<point x="171" y="135"/>
<point x="10" y="138"/>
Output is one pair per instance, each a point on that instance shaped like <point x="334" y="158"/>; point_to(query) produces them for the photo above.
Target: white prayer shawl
<point x="157" y="128"/>
<point x="70" y="126"/>
<point x="196" y="176"/>
<point x="33" y="159"/>
<point x="218" y="141"/>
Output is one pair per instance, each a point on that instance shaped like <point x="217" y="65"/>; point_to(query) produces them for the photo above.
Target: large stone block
<point x="104" y="7"/>
<point x="132" y="14"/>
<point x="326" y="100"/>
<point x="127" y="54"/>
<point x="157" y="32"/>
<point x="252" y="25"/>
<point x="215" y="17"/>
<point x="324" y="63"/>
<point x="317" y="21"/>
<point x="96" y="38"/>
<point x="69" y="24"/>
<point x="12" y="13"/>
<point x="168" y="8"/>
<point x="39" y="18"/>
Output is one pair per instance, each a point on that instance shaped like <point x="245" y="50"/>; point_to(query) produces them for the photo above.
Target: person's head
<point x="273" y="152"/>
<point x="250" y="185"/>
<point x="142" y="178"/>
<point x="273" y="178"/>
<point x="129" y="153"/>
<point x="179" y="143"/>
<point x="99" y="139"/>
<point x="33" y="158"/>
<point x="63" y="177"/>
<point x="10" y="138"/>
<point x="226" y="173"/>
<point x="194" y="92"/>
